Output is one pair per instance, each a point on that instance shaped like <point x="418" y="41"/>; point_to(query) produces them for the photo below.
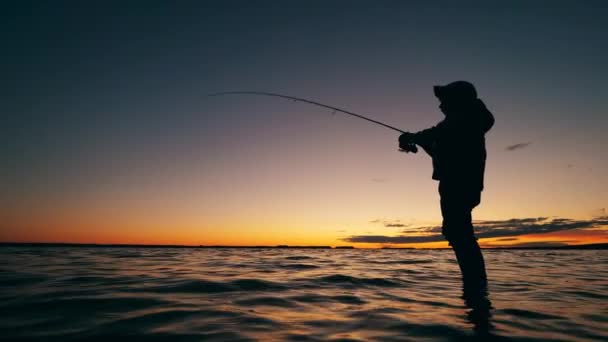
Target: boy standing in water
<point x="457" y="148"/>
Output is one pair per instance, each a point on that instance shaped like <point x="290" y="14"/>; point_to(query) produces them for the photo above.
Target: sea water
<point x="272" y="294"/>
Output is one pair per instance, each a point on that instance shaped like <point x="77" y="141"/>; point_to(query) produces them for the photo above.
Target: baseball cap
<point x="456" y="90"/>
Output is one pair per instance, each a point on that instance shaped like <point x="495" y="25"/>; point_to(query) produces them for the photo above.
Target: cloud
<point x="518" y="146"/>
<point x="379" y="180"/>
<point x="487" y="229"/>
<point x="392" y="239"/>
<point x="536" y="244"/>
<point x="507" y="239"/>
<point x="539" y="225"/>
<point x="390" y="223"/>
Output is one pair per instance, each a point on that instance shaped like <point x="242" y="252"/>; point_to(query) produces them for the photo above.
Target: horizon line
<point x="110" y="245"/>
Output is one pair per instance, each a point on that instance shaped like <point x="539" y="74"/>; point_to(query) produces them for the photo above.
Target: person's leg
<point x="458" y="230"/>
<point x="471" y="263"/>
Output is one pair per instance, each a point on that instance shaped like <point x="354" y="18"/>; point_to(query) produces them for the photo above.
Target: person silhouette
<point x="457" y="148"/>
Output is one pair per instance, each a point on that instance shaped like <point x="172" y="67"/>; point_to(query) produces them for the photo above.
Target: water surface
<point x="67" y="293"/>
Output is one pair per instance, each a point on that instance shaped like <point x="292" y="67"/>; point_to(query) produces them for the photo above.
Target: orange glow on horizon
<point x="192" y="237"/>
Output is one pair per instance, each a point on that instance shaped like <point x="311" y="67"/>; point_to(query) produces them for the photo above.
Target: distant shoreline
<point x="595" y="246"/>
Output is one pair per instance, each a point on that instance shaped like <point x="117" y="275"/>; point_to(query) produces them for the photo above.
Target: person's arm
<point x="428" y="137"/>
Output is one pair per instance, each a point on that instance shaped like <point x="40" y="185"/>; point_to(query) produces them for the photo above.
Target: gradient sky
<point x="108" y="135"/>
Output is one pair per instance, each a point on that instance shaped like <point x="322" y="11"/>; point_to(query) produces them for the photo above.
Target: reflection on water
<point x="298" y="294"/>
<point x="480" y="312"/>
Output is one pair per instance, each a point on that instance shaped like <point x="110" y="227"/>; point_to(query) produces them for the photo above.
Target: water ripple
<point x="73" y="293"/>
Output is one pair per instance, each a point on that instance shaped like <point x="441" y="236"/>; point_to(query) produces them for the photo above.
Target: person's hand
<point x="406" y="138"/>
<point x="406" y="143"/>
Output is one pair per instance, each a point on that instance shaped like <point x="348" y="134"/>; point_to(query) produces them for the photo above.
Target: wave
<point x="345" y="279"/>
<point x="300" y="266"/>
<point x="313" y="295"/>
<point x="207" y="286"/>
<point x="299" y="257"/>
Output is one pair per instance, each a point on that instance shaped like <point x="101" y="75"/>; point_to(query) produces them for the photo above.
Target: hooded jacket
<point x="457" y="146"/>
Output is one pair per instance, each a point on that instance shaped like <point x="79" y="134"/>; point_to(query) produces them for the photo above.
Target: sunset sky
<point x="108" y="135"/>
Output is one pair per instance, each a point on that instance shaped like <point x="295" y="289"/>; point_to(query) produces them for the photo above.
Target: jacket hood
<point x="482" y="116"/>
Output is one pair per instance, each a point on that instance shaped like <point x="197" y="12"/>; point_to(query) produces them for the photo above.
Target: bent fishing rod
<point x="298" y="99"/>
<point x="335" y="109"/>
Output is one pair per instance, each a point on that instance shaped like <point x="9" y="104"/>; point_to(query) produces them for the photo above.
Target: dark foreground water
<point x="296" y="295"/>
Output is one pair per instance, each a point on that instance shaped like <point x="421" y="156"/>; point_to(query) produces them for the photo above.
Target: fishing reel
<point x="408" y="148"/>
<point x="406" y="143"/>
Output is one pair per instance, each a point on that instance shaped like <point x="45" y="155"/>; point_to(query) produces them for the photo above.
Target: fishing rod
<point x="412" y="148"/>
<point x="298" y="99"/>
